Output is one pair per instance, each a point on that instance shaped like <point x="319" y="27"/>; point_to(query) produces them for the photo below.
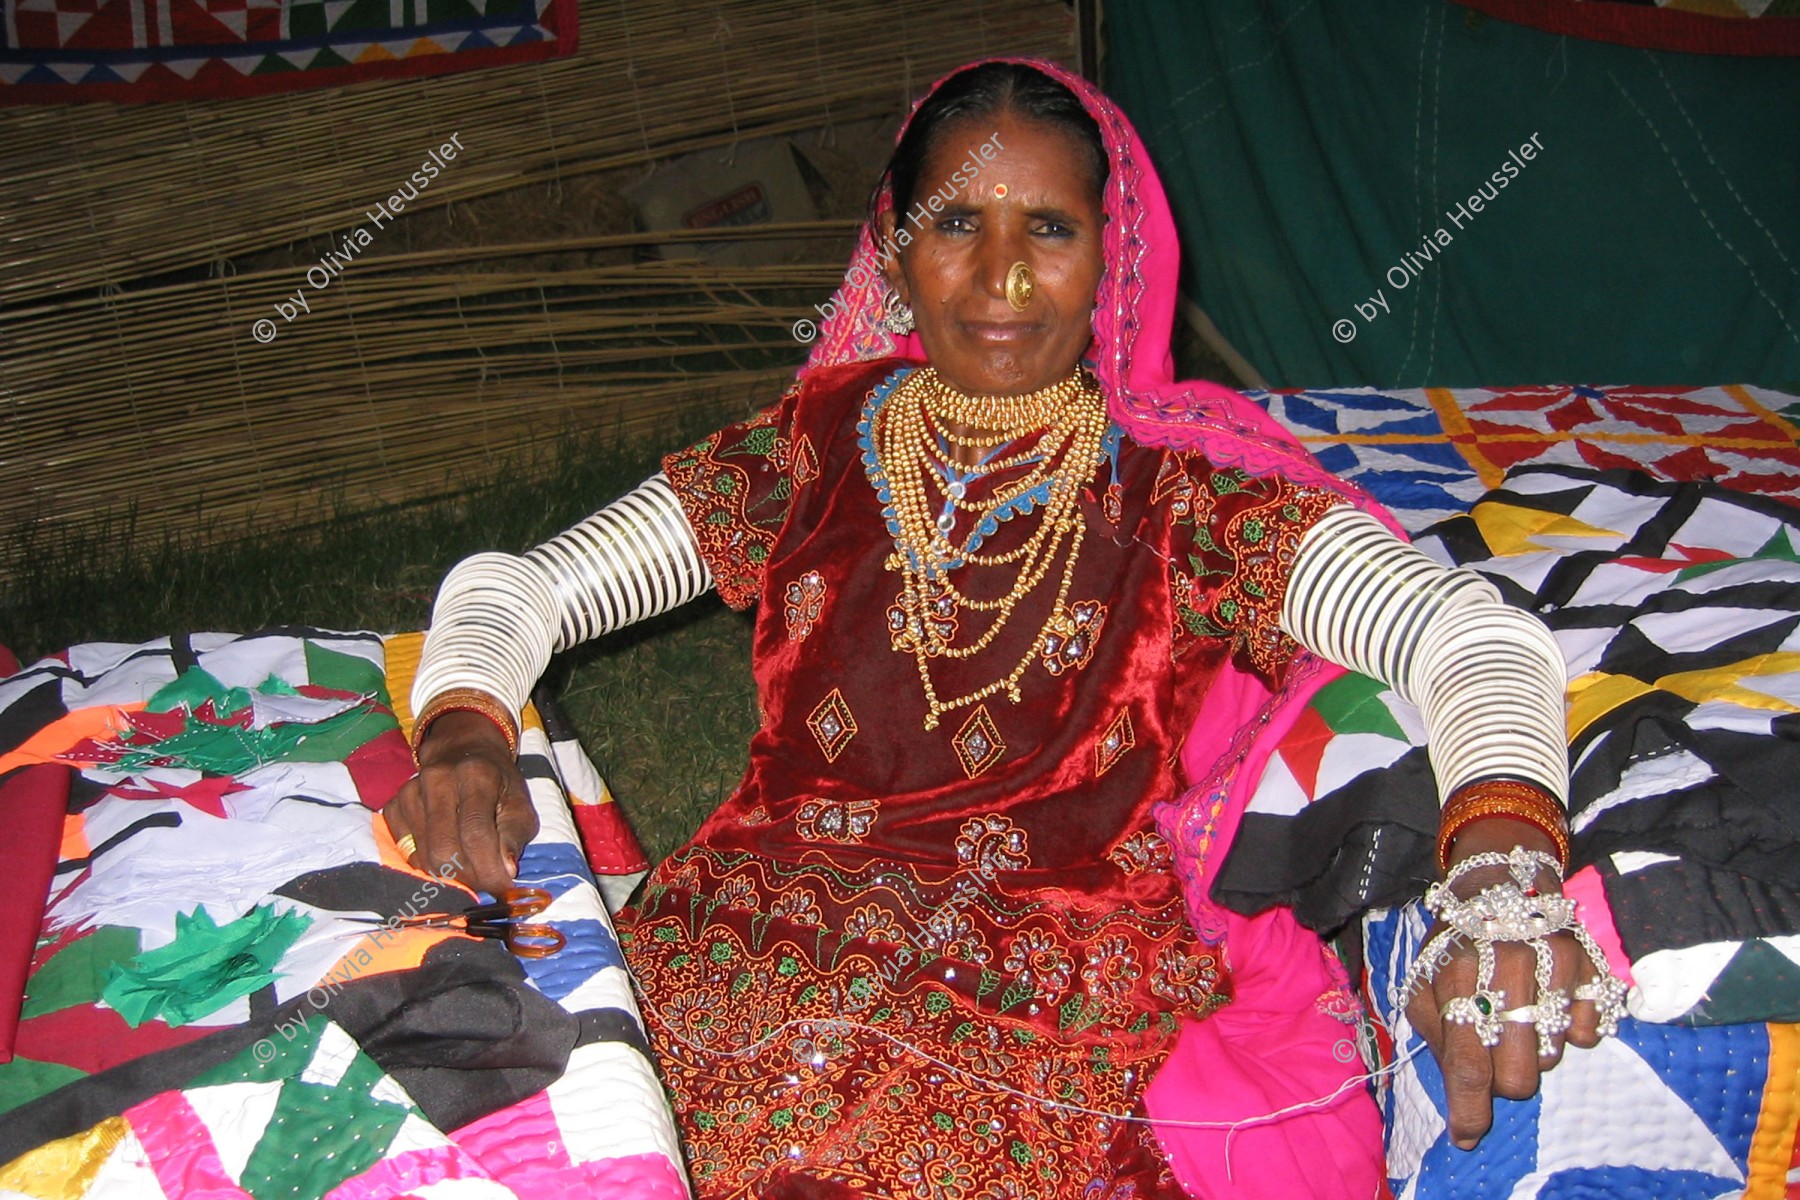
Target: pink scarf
<point x="1283" y="1041"/>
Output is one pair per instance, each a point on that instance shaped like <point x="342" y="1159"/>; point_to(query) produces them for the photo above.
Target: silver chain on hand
<point x="1513" y="912"/>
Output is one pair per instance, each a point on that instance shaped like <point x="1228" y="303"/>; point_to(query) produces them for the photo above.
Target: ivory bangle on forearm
<point x="1488" y="678"/>
<point x="499" y="617"/>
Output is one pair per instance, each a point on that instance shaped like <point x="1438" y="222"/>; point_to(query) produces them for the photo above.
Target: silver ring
<point x="1524" y="1015"/>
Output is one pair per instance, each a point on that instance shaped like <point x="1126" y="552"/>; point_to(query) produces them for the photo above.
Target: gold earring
<point x="1019" y="286"/>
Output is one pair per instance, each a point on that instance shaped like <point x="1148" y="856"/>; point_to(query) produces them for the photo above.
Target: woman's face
<point x="1036" y="203"/>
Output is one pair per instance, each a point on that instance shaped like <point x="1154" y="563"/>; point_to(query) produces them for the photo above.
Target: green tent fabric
<point x="1313" y="150"/>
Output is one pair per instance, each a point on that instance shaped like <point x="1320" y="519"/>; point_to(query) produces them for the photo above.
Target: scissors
<point x="497" y="920"/>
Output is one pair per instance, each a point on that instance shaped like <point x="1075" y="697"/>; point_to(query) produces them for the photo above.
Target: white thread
<point x="840" y="1023"/>
<point x="1674" y="165"/>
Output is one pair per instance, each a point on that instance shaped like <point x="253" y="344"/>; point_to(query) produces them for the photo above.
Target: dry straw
<point x="141" y="242"/>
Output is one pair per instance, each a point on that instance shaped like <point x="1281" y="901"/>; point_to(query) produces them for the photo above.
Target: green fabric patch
<point x="1779" y="548"/>
<point x="1752" y="983"/>
<point x="77" y="973"/>
<point x="228" y="749"/>
<point x="25" y="1079"/>
<point x="319" y="1135"/>
<point x="205" y="968"/>
<point x="342" y="672"/>
<point x="1352" y="703"/>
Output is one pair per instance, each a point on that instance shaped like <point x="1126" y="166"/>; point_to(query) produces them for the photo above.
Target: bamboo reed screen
<point x="138" y="244"/>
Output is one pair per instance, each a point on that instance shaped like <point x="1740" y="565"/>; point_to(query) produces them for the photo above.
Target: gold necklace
<point x="1069" y="419"/>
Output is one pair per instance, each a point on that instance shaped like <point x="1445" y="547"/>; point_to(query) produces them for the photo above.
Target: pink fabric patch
<point x="180" y="1149"/>
<point x="522" y="1146"/>
<point x="400" y="1176"/>
<point x="520" y="1137"/>
<point x="1591" y="909"/>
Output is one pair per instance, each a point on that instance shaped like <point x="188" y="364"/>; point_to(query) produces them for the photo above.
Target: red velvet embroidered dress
<point x="991" y="891"/>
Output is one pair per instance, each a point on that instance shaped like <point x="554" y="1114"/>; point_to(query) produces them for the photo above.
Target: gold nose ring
<point x="1019" y="286"/>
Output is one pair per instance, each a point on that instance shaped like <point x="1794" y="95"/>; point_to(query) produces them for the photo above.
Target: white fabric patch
<point x="236" y="1114"/>
<point x="1607" y="1107"/>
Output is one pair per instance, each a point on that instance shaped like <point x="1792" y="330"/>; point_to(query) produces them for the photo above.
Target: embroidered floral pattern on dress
<point x="1113" y="744"/>
<point x="1229" y="584"/>
<point x="1112" y="504"/>
<point x="784" y="1032"/>
<point x="904" y="632"/>
<point x="832" y="725"/>
<point x="1186" y="980"/>
<point x="1175" y="485"/>
<point x="798" y="906"/>
<point x="821" y="820"/>
<point x="1111" y="970"/>
<point x="1041" y="962"/>
<point x="951" y="934"/>
<point x="730" y="492"/>
<point x="875" y="923"/>
<point x="978" y="745"/>
<point x="1141" y="851"/>
<point x="1070" y="634"/>
<point x="802" y="601"/>
<point x="1268" y="538"/>
<point x="991" y="844"/>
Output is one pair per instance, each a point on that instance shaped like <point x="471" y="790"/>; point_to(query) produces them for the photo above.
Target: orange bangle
<point x="1503" y="798"/>
<point x="466" y="700"/>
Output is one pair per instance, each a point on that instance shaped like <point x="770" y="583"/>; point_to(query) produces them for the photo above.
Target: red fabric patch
<point x="34" y="800"/>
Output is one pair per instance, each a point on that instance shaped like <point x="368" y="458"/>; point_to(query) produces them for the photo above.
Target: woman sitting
<point x="1009" y="577"/>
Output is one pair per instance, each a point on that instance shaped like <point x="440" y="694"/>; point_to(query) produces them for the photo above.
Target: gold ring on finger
<point x="407" y="845"/>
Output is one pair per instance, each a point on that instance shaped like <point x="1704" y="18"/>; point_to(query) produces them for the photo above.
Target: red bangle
<point x="1503" y="798"/>
<point x="466" y="700"/>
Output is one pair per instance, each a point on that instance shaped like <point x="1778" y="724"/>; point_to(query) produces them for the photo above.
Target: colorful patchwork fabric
<point x="63" y="50"/>
<point x="1430" y="453"/>
<point x="214" y="859"/>
<point x="311" y="1116"/>
<point x="1676" y="607"/>
<point x="1671" y="1111"/>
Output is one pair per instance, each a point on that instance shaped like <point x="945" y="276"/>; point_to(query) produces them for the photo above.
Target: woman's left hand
<point x="1474" y="1074"/>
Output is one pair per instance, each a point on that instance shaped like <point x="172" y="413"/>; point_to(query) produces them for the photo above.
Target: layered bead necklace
<point x="915" y="441"/>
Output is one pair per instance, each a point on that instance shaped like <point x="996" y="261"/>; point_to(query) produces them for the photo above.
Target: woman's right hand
<point x="467" y="809"/>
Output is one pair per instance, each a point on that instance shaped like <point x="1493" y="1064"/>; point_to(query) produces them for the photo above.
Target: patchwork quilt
<point x="1429" y="453"/>
<point x="213" y="1007"/>
<point x="54" y="51"/>
<point x="1678" y="608"/>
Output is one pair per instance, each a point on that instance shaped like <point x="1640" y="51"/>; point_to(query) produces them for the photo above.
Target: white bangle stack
<point x="634" y="559"/>
<point x="499" y="617"/>
<point x="1488" y="678"/>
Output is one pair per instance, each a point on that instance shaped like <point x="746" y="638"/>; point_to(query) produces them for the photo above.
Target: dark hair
<point x="982" y="90"/>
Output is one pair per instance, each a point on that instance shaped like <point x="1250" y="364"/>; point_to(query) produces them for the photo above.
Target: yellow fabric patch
<point x="400" y="652"/>
<point x="1509" y="529"/>
<point x="66" y="1168"/>
<point x="1595" y="694"/>
<point x="1721" y="683"/>
<point x="1772" y="1145"/>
